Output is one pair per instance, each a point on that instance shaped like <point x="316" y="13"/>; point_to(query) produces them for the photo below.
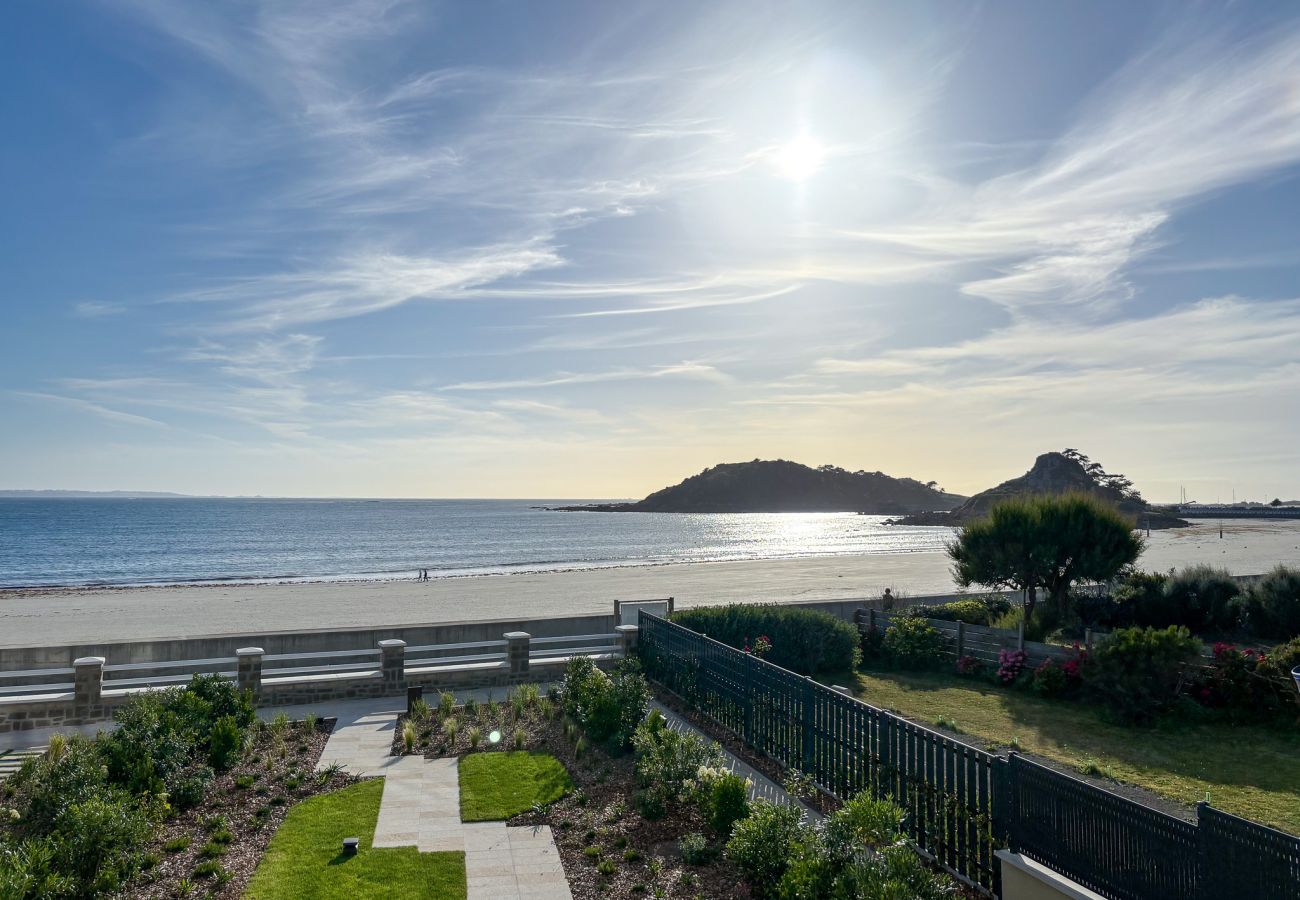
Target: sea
<point x="46" y="542"/>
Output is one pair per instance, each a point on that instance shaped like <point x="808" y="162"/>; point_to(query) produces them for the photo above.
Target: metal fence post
<point x="1005" y="801"/>
<point x="809" y="738"/>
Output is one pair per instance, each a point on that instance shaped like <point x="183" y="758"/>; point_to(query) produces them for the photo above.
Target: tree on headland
<point x="1046" y="541"/>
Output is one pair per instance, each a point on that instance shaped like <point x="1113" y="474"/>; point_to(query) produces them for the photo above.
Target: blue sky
<point x="586" y="249"/>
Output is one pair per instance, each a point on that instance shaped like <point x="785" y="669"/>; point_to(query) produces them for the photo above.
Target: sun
<point x="800" y="158"/>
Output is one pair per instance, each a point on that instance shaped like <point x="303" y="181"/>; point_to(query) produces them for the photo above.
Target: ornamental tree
<point x="1044" y="541"/>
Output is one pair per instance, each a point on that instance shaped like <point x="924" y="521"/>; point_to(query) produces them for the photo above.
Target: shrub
<point x="897" y="871"/>
<point x="762" y="843"/>
<point x="224" y="743"/>
<point x="970" y="666"/>
<point x="609" y="709"/>
<point x="863" y="822"/>
<point x="859" y="853"/>
<point x="189" y="789"/>
<point x="972" y="611"/>
<point x="803" y="640"/>
<point x="1140" y="599"/>
<point x="97" y="840"/>
<point x="1245" y="684"/>
<point x="1273" y="604"/>
<point x="695" y="849"/>
<point x="1010" y="664"/>
<point x="1276" y="667"/>
<point x="1140" y="672"/>
<point x="912" y="643"/>
<point x="1201" y="598"/>
<point x="668" y="763"/>
<point x="410" y="736"/>
<point x="1049" y="679"/>
<point x="728" y="802"/>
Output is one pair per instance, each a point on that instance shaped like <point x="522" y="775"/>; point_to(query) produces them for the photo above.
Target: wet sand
<point x="74" y="615"/>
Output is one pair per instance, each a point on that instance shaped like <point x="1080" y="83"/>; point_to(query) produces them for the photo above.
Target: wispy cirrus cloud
<point x="691" y="370"/>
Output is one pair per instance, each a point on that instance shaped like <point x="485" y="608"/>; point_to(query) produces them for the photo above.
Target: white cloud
<point x="692" y="370"/>
<point x="97" y="309"/>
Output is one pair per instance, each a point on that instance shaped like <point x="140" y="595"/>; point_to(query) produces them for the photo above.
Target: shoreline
<point x="71" y="615"/>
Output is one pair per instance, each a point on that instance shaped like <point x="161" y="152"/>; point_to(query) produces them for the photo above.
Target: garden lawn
<point x="305" y="859"/>
<point x="496" y="786"/>
<point x="1253" y="771"/>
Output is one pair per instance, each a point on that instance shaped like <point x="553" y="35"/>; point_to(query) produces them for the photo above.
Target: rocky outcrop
<point x="1054" y="473"/>
<point x="784" y="486"/>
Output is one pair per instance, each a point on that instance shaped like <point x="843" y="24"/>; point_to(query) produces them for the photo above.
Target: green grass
<point x="496" y="786"/>
<point x="305" y="858"/>
<point x="1253" y="771"/>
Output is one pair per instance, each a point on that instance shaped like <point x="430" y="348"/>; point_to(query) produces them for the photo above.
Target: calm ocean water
<point x="116" y="541"/>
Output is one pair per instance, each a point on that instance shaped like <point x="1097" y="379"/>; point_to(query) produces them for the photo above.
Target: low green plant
<point x="449" y="728"/>
<point x="177" y="844"/>
<point x="446" y="704"/>
<point x="311" y="721"/>
<point x="410" y="736"/>
<point x="212" y="850"/>
<point x="799" y="785"/>
<point x="420" y="711"/>
<point x="728" y="802"/>
<point x="208" y="869"/>
<point x="607" y="867"/>
<point x="475" y="735"/>
<point x="695" y="849"/>
<point x="520" y="739"/>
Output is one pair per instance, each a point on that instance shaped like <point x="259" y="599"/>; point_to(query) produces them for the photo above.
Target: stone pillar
<point x="88" y="682"/>
<point x="249" y="673"/>
<point x="392" y="661"/>
<point x="627" y="638"/>
<point x="517" y="650"/>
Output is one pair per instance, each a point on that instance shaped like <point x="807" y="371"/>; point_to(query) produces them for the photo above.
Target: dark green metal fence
<point x="1240" y="858"/>
<point x="963" y="803"/>
<point x="1105" y="842"/>
<point x="844" y="744"/>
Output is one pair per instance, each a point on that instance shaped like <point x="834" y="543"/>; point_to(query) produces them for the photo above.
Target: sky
<point x="583" y="250"/>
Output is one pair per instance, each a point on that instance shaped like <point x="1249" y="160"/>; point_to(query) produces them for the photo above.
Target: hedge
<point x="803" y="640"/>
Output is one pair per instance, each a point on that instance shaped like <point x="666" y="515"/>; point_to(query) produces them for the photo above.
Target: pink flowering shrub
<point x="1010" y="664"/>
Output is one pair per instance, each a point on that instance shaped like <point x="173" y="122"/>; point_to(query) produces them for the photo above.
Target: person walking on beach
<point x="887" y="601"/>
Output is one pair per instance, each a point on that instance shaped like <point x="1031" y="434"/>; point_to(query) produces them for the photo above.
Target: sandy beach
<point x="60" y="616"/>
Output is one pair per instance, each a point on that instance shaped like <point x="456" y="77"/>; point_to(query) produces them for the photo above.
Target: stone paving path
<point x="421" y="808"/>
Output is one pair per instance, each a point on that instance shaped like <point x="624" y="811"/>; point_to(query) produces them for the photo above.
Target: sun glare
<point x="799" y="158"/>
